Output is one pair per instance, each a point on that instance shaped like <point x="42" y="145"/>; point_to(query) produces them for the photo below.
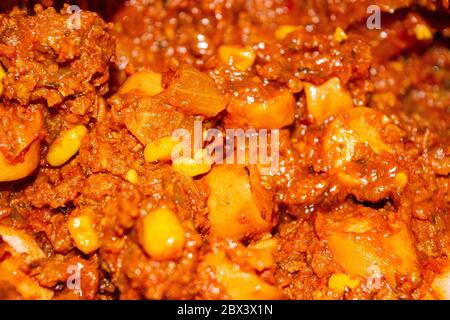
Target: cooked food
<point x="244" y="149"/>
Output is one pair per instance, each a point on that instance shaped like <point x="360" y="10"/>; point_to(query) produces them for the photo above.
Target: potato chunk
<point x="21" y="169"/>
<point x="357" y="126"/>
<point x="328" y="99"/>
<point x="241" y="58"/>
<point x="234" y="211"/>
<point x="143" y="82"/>
<point x="363" y="240"/>
<point x="338" y="282"/>
<point x="262" y="107"/>
<point x="361" y="148"/>
<point x="239" y="284"/>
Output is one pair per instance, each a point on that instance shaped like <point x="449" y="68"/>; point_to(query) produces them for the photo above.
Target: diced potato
<point x="358" y="121"/>
<point x="260" y="107"/>
<point x="283" y="31"/>
<point x="22" y="243"/>
<point x="326" y="100"/>
<point x="143" y="82"/>
<point x="161" y="234"/>
<point x="359" y="243"/>
<point x="195" y="93"/>
<point x="358" y="126"/>
<point x="339" y="281"/>
<point x="355" y="258"/>
<point x="233" y="210"/>
<point x="160" y="149"/>
<point x="66" y="145"/>
<point x="339" y="35"/>
<point x="241" y="58"/>
<point x="21" y="169"/>
<point x="339" y="144"/>
<point x="239" y="284"/>
<point x="82" y="231"/>
<point x="260" y="254"/>
<point x="132" y="176"/>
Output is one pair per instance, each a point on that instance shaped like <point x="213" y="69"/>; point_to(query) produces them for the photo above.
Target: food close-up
<point x="225" y="149"/>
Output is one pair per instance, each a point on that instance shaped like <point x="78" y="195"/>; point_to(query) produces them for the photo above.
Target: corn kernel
<point x="132" y="176"/>
<point x="66" y="145"/>
<point x="339" y="281"/>
<point x="144" y="82"/>
<point x="401" y="179"/>
<point x="2" y="75"/>
<point x="339" y="35"/>
<point x="160" y="150"/>
<point x="82" y="231"/>
<point x="422" y="32"/>
<point x="192" y="167"/>
<point x="241" y="58"/>
<point x="283" y="31"/>
<point x="161" y="235"/>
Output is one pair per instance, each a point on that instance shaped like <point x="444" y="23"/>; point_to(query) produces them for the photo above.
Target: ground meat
<point x="47" y="59"/>
<point x="358" y="208"/>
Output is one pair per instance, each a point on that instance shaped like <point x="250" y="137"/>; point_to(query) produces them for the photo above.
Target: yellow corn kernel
<point x="66" y="145"/>
<point x="144" y="82"/>
<point x="339" y="281"/>
<point x="401" y="179"/>
<point x="192" y="167"/>
<point x="161" y="235"/>
<point x="2" y="75"/>
<point x="160" y="150"/>
<point x="283" y="31"/>
<point x="241" y="58"/>
<point x="132" y="176"/>
<point x="422" y="32"/>
<point x="82" y="231"/>
<point x="339" y="35"/>
<point x="14" y="171"/>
